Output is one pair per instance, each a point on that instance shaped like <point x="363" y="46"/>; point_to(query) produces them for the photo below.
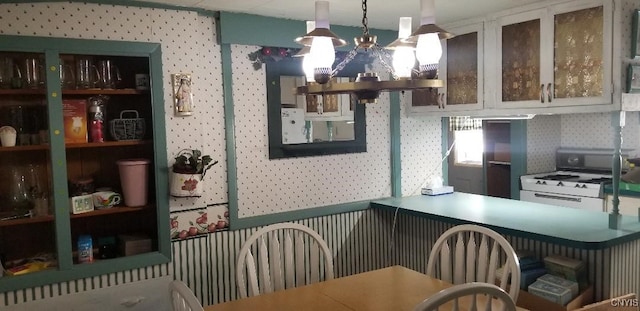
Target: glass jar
<point x="97" y="118"/>
<point x="81" y="186"/>
<point x="20" y="200"/>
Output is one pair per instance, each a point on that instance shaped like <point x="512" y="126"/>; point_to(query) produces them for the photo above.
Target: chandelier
<point x="423" y="45"/>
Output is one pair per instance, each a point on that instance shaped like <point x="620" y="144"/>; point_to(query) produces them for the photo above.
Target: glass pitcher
<point x="20" y="199"/>
<point x="6" y="72"/>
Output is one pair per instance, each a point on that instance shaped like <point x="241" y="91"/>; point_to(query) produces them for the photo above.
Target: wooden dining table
<point x="394" y="288"/>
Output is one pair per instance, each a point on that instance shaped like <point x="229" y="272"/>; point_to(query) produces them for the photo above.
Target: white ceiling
<point x="381" y="14"/>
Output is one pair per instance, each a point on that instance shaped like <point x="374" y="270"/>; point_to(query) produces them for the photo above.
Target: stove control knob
<point x="577" y="186"/>
<point x="584" y="186"/>
<point x="544" y="182"/>
<point x="538" y="182"/>
<point x="560" y="184"/>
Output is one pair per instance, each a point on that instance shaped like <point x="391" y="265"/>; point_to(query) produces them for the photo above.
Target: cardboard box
<point x="532" y="302"/>
<point x="133" y="244"/>
<point x="562" y="282"/>
<point x="502" y="152"/>
<point x="568" y="268"/>
<point x="74" y="113"/>
<point x="551" y="292"/>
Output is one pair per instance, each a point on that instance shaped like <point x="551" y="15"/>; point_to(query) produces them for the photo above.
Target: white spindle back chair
<point x="475" y="290"/>
<point x="471" y="253"/>
<point x="281" y="256"/>
<point x="182" y="298"/>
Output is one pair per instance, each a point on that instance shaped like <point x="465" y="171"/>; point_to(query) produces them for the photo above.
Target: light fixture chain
<point x="349" y="57"/>
<point x="385" y="59"/>
<point x="365" y="21"/>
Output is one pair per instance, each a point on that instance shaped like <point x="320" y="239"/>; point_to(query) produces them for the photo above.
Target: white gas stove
<point x="578" y="183"/>
<point x="565" y="188"/>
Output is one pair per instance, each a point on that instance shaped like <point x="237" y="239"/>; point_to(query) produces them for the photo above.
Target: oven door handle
<point x="557" y="197"/>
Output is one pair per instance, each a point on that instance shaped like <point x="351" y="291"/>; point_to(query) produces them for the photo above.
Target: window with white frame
<point x="469" y="147"/>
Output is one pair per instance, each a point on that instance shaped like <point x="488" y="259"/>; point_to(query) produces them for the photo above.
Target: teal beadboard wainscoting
<point x="360" y="240"/>
<point x="612" y="271"/>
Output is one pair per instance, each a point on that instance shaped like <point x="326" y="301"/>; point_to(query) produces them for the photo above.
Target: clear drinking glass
<point x="87" y="74"/>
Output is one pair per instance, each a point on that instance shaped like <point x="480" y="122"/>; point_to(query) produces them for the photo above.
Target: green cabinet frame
<point x="51" y="48"/>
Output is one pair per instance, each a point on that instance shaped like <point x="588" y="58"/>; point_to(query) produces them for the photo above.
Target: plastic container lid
<point x="125" y="162"/>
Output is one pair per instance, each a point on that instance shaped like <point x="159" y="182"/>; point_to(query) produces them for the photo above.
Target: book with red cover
<point x="74" y="113"/>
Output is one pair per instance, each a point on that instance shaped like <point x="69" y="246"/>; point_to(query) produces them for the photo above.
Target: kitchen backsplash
<point x="595" y="130"/>
<point x="542" y="142"/>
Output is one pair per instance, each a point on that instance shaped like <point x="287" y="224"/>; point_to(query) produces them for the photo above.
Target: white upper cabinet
<point x="462" y="69"/>
<point x="556" y="56"/>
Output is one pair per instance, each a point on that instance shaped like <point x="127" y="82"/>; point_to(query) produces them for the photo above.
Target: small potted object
<point x="188" y="171"/>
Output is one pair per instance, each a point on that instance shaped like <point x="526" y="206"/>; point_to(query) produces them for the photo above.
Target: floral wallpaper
<point x="187" y="224"/>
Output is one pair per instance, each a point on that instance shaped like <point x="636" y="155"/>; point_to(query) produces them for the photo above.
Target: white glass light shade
<point x="307" y="62"/>
<point x="322" y="52"/>
<point x="404" y="57"/>
<point x="307" y="67"/>
<point x="428" y="49"/>
<point x="403" y="61"/>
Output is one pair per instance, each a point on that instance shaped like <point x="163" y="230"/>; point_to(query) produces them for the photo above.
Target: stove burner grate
<point x="558" y="177"/>
<point x="601" y="180"/>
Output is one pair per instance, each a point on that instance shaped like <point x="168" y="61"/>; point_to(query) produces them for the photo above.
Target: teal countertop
<point x="554" y="224"/>
<point x="625" y="190"/>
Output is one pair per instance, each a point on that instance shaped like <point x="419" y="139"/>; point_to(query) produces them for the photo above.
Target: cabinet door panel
<point x="521" y="76"/>
<point x="578" y="41"/>
<point x="582" y="58"/>
<point x="462" y="69"/>
<point x="425" y="98"/>
<point x="55" y="157"/>
<point x="556" y="57"/>
<point x="119" y="127"/>
<point x="26" y="214"/>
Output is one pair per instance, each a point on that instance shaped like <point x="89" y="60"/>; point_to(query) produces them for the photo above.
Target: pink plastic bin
<point x="133" y="178"/>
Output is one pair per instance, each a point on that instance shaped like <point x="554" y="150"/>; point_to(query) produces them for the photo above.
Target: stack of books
<point x="530" y="268"/>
